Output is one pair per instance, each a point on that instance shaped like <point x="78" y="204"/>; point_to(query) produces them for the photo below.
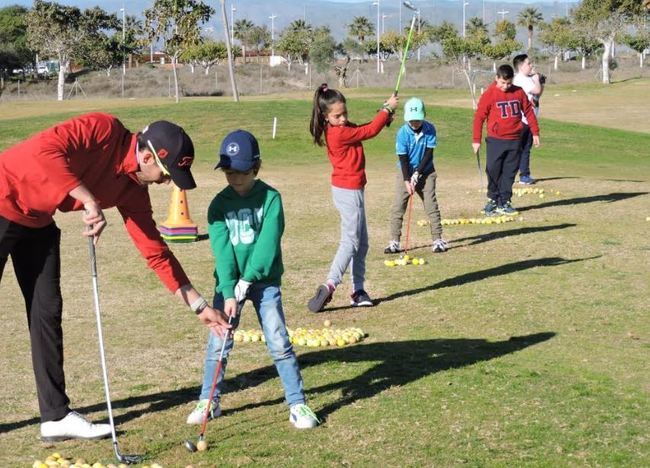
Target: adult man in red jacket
<point x="503" y="106"/>
<point x="88" y="163"/>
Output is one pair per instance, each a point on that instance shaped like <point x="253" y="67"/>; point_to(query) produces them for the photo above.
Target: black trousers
<point x="35" y="254"/>
<point x="501" y="168"/>
<point x="526" y="145"/>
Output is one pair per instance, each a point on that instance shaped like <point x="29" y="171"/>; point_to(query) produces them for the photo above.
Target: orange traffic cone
<point x="178" y="227"/>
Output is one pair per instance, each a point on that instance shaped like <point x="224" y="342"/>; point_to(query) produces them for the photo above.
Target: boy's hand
<point x="409" y="187"/>
<point x="476" y="147"/>
<point x="230" y="307"/>
<point x="536" y="141"/>
<point x="241" y="290"/>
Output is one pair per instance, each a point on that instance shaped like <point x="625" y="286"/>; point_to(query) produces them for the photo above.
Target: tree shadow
<point x="624" y="180"/>
<point x="609" y="198"/>
<point x="488" y="236"/>
<point x="398" y="363"/>
<point x="484" y="274"/>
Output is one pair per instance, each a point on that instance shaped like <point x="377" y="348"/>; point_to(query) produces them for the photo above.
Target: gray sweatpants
<point x="426" y="190"/>
<point x="353" y="246"/>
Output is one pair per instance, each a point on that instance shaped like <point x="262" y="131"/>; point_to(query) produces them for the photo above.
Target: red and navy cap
<point x="173" y="150"/>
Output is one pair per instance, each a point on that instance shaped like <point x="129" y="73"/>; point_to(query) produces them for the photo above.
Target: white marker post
<point x="275" y="126"/>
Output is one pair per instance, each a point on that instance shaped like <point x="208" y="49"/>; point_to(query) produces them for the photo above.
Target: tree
<point x="557" y="36"/>
<point x="321" y="50"/>
<point x="607" y="21"/>
<point x="177" y="23"/>
<point x="14" y="52"/>
<point x="361" y="28"/>
<point x="476" y="28"/>
<point x="207" y="53"/>
<point x="260" y="39"/>
<point x="583" y="43"/>
<point x="64" y="32"/>
<point x="242" y="32"/>
<point x="530" y="18"/>
<point x="505" y="30"/>
<point x="294" y="44"/>
<point x="500" y="50"/>
<point x="638" y="43"/>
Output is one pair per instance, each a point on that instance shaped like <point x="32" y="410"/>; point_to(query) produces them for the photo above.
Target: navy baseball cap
<point x="239" y="151"/>
<point x="173" y="150"/>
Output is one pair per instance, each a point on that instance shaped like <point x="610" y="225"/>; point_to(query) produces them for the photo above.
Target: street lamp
<point x="123" y="10"/>
<point x="232" y="24"/>
<point x="503" y="14"/>
<point x="464" y="5"/>
<point x="272" y="18"/>
<point x="377" y="4"/>
<point x="383" y="24"/>
<point x="419" y="23"/>
<point x="399" y="3"/>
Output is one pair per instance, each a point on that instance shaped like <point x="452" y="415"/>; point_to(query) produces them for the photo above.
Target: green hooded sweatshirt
<point x="245" y="234"/>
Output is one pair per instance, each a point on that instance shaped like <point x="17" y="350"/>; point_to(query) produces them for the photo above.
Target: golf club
<point x="126" y="459"/>
<point x="408" y="225"/>
<point x="189" y="445"/>
<point x="480" y="172"/>
<point x="402" y="67"/>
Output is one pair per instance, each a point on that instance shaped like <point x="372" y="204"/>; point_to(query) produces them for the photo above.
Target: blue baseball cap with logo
<point x="414" y="110"/>
<point x="239" y="151"/>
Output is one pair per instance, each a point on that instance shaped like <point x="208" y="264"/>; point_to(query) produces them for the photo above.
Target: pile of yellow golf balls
<point x="57" y="460"/>
<point x="315" y="338"/>
<point x="520" y="192"/>
<point x="404" y="260"/>
<point x="487" y="220"/>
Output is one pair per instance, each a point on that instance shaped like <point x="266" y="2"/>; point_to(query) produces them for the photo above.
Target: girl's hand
<point x="392" y="102"/>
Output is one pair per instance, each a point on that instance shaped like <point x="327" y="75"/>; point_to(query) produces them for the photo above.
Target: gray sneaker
<point x="73" y="426"/>
<point x="490" y="208"/>
<point x="196" y="416"/>
<point x="439" y="245"/>
<point x="393" y="247"/>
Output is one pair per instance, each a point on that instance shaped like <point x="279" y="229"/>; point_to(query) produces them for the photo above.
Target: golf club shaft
<point x="408" y="224"/>
<point x="480" y="172"/>
<point x="102" y="356"/>
<point x="402" y="67"/>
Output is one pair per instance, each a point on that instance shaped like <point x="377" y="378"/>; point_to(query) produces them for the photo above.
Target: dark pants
<point x="36" y="260"/>
<point x="501" y="168"/>
<point x="524" y="158"/>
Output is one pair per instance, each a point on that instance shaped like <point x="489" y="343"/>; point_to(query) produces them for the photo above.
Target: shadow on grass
<point x="398" y="363"/>
<point x="488" y="236"/>
<point x="546" y="179"/>
<point x="609" y="198"/>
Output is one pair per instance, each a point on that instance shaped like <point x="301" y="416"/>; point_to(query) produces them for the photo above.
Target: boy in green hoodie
<point x="245" y="224"/>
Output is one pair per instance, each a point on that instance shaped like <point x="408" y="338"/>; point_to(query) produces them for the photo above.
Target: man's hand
<point x="241" y="290"/>
<point x="93" y="218"/>
<point x="215" y="319"/>
<point x="536" y="141"/>
<point x="476" y="147"/>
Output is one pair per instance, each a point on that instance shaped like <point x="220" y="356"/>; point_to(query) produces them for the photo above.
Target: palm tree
<point x="242" y="32"/>
<point x="476" y="28"/>
<point x="300" y="25"/>
<point x="361" y="27"/>
<point x="529" y="18"/>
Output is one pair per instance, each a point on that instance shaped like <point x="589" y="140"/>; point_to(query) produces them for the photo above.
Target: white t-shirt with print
<point x="526" y="83"/>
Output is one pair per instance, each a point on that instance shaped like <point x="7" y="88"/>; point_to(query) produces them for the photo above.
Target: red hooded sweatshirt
<point x="503" y="111"/>
<point x="96" y="150"/>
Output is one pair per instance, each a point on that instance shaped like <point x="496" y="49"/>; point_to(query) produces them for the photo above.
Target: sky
<point x="105" y="3"/>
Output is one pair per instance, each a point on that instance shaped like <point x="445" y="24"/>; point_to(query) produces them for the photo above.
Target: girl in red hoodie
<point x="344" y="149"/>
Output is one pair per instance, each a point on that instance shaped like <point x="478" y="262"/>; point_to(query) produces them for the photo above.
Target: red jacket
<point x="503" y="111"/>
<point x="37" y="175"/>
<point x="345" y="151"/>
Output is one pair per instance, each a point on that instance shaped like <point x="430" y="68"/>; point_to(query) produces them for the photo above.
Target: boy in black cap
<point x="87" y="164"/>
<point x="245" y="224"/>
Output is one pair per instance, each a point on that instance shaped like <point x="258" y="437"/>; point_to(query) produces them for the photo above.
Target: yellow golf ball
<point x="202" y="446"/>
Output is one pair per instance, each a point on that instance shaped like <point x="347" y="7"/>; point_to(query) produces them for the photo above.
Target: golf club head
<point x="189" y="445"/>
<point x="409" y="5"/>
<point x="129" y="459"/>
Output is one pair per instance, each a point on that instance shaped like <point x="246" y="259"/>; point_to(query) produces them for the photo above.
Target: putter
<point x="189" y="445"/>
<point x="480" y="172"/>
<point x="126" y="459"/>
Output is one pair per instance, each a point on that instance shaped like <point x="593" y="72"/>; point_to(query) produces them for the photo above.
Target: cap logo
<point x="413" y="109"/>
<point x="162" y="153"/>
<point x="232" y="149"/>
<point x="185" y="161"/>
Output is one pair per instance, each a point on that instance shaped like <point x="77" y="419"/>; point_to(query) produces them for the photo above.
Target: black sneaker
<point x="320" y="299"/>
<point x="490" y="208"/>
<point x="360" y="298"/>
<point x="507" y="209"/>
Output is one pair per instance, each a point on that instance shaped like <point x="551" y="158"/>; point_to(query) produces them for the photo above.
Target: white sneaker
<point x="196" y="416"/>
<point x="439" y="245"/>
<point x="302" y="417"/>
<point x="73" y="426"/>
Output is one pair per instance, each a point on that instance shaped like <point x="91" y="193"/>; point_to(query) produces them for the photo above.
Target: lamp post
<point x="123" y="10"/>
<point x="503" y="14"/>
<point x="272" y="18"/>
<point x="378" y="14"/>
<point x="464" y="5"/>
<point x="419" y="23"/>
<point x="383" y="23"/>
<point x="399" y="3"/>
<point x="232" y="24"/>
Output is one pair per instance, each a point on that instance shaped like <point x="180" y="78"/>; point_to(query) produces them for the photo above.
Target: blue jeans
<point x="267" y="300"/>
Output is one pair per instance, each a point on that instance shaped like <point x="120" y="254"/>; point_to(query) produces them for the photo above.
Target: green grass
<point x="526" y="344"/>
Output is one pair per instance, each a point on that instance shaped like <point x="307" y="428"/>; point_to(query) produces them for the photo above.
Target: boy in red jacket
<point x="502" y="105"/>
